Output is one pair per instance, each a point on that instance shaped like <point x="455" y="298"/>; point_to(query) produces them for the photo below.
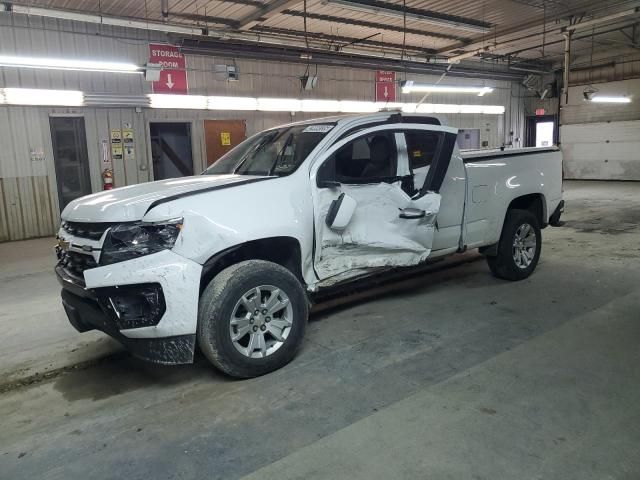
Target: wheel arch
<point x="283" y="250"/>
<point x="533" y="202"/>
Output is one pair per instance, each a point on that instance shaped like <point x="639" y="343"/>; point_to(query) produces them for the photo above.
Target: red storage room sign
<point x="385" y="86"/>
<point x="173" y="77"/>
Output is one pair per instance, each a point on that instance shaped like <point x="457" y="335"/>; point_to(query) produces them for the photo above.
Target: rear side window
<point x="421" y="147"/>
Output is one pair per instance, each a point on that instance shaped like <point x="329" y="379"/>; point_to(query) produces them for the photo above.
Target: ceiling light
<point x="605" y="99"/>
<point x="115" y="100"/>
<point x="72" y="98"/>
<point x="348" y="106"/>
<point x="408" y="86"/>
<point x="492" y="110"/>
<point x="320" y="106"/>
<point x="33" y="96"/>
<point x="194" y="102"/>
<point x="68" y="64"/>
<point x="279" y="105"/>
<point x="232" y="103"/>
<point x="434" y="19"/>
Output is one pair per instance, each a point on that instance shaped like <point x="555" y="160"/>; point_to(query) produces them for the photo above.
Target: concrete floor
<point x="454" y="375"/>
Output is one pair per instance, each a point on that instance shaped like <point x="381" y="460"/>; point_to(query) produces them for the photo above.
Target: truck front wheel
<point x="252" y="318"/>
<point x="519" y="246"/>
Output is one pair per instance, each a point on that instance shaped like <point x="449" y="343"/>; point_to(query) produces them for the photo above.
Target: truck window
<point x="276" y="152"/>
<point x="422" y="148"/>
<point x="368" y="159"/>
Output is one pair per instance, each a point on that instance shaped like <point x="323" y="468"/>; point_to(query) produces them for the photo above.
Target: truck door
<point x="368" y="215"/>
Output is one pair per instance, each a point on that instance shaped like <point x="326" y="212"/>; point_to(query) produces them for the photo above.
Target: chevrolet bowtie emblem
<point x="63" y="244"/>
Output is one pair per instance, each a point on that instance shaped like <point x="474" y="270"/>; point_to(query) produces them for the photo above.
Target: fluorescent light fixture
<point x="102" y="20"/>
<point x="34" y="96"/>
<point x="193" y="102"/>
<point x="279" y="105"/>
<point x="492" y="110"/>
<point x="115" y="100"/>
<point x="442" y="21"/>
<point x="320" y="106"/>
<point x="72" y="98"/>
<point x="449" y="108"/>
<point x="68" y="64"/>
<point x="409" y="86"/>
<point x="233" y="103"/>
<point x="348" y="106"/>
<point x="605" y="99"/>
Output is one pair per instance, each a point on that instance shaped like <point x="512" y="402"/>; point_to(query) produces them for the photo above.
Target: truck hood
<point x="131" y="203"/>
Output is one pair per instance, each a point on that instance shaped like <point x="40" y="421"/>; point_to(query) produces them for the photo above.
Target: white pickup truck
<point x="231" y="259"/>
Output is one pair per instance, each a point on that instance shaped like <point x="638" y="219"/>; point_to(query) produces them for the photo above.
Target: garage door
<point x="601" y="151"/>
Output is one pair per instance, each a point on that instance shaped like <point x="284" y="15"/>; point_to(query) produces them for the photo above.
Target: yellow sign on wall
<point x="127" y="135"/>
<point x="116" y="135"/>
<point x="225" y="139"/>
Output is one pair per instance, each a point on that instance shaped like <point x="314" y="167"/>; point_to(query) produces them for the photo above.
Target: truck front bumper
<point x="148" y="304"/>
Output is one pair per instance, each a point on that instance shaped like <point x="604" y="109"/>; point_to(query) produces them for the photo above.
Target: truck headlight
<point x="133" y="240"/>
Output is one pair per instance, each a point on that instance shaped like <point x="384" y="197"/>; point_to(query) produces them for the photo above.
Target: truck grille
<point x="92" y="231"/>
<point x="74" y="264"/>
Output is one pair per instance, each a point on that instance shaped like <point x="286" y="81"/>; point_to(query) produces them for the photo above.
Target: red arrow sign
<point x="385" y="92"/>
<point x="173" y="76"/>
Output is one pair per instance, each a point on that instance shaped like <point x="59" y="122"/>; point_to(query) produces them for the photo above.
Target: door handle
<point x="412" y="213"/>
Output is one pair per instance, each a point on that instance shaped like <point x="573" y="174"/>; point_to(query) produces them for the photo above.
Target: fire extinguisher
<point x="107" y="179"/>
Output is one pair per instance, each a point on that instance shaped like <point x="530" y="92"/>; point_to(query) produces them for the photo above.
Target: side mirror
<point x="340" y="212"/>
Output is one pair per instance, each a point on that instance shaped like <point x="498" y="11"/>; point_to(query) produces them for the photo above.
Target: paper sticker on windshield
<point x="317" y="129"/>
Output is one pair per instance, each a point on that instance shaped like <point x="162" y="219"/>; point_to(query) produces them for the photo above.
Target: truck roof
<point x="370" y="117"/>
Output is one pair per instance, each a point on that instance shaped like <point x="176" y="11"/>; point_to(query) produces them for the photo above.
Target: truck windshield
<point x="277" y="152"/>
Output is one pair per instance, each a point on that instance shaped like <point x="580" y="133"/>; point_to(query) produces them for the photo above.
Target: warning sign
<point x="225" y="139"/>
<point x="127" y="135"/>
<point x="173" y="76"/>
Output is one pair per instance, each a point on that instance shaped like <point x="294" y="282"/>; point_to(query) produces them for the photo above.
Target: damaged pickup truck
<point x="231" y="259"/>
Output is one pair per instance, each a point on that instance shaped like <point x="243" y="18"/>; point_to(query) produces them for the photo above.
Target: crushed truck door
<point x="368" y="213"/>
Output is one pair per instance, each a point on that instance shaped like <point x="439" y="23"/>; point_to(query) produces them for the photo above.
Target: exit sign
<point x="540" y="111"/>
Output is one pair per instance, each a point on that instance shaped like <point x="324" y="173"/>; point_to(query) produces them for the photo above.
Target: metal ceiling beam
<point x="400" y="11"/>
<point x="227" y="22"/>
<point x="264" y="13"/>
<point x="282" y="53"/>
<point x="338" y="41"/>
<point x="480" y="45"/>
<point x="601" y="20"/>
<point x="376" y="25"/>
<point x="575" y="39"/>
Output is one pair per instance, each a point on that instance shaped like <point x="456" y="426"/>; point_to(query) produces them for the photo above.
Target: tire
<point x="505" y="264"/>
<point x="225" y="310"/>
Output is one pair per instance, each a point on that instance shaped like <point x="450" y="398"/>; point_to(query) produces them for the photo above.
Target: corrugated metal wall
<point x="28" y="184"/>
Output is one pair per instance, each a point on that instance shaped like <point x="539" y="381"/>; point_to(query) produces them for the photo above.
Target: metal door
<point x="70" y="157"/>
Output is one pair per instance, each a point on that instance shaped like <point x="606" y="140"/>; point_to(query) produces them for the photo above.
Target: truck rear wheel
<point x="519" y="246"/>
<point x="252" y="318"/>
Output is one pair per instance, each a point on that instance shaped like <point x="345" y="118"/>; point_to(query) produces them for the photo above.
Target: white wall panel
<point x="579" y="110"/>
<point x="605" y="151"/>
